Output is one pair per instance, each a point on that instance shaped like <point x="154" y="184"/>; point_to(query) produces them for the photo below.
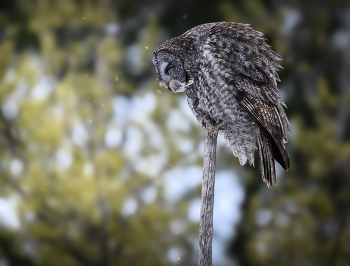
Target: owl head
<point x="170" y="71"/>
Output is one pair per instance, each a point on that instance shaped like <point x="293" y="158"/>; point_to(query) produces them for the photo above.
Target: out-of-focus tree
<point x="81" y="163"/>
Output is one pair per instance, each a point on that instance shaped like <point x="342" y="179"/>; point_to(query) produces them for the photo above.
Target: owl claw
<point x="219" y="127"/>
<point x="210" y="124"/>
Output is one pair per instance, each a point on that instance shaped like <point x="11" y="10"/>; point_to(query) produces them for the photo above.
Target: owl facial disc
<point x="170" y="71"/>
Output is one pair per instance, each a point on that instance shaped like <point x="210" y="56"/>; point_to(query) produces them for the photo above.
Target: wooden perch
<point x="207" y="201"/>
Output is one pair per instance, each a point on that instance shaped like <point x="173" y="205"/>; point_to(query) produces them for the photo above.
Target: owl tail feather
<point x="267" y="161"/>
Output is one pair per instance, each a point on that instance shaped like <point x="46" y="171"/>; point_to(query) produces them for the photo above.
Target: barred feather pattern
<point x="217" y="100"/>
<point x="232" y="76"/>
<point x="267" y="162"/>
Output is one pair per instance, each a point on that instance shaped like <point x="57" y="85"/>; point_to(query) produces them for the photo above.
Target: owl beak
<point x="166" y="86"/>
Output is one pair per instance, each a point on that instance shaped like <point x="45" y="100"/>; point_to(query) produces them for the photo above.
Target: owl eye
<point x="168" y="68"/>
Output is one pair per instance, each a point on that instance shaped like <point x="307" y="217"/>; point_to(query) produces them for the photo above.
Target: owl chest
<point x="216" y="97"/>
<point x="202" y="107"/>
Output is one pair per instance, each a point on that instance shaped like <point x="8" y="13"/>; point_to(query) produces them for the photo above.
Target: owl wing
<point x="251" y="67"/>
<point x="268" y="116"/>
<point x="250" y="60"/>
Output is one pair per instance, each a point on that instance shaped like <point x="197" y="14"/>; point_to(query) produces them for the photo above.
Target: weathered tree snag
<point x="207" y="202"/>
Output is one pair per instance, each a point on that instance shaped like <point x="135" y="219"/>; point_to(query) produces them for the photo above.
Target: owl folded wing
<point x="252" y="69"/>
<point x="250" y="61"/>
<point x="268" y="116"/>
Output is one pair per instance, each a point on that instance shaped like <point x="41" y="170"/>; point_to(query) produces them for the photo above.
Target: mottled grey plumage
<point x="229" y="74"/>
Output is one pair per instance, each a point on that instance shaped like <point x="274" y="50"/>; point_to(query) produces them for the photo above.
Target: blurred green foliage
<point x="71" y="75"/>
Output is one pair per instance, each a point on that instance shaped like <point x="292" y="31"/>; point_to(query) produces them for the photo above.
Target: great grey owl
<point x="229" y="75"/>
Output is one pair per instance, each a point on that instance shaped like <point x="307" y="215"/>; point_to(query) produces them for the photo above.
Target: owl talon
<point x="210" y="124"/>
<point x="218" y="127"/>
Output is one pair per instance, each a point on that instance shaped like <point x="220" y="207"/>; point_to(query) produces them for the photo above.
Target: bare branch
<point x="207" y="204"/>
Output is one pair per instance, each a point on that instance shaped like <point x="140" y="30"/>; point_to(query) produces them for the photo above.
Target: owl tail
<point x="267" y="161"/>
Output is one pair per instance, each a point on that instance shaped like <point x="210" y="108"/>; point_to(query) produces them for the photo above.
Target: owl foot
<point x="211" y="124"/>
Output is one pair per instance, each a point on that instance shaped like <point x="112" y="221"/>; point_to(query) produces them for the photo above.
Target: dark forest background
<point x="100" y="166"/>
